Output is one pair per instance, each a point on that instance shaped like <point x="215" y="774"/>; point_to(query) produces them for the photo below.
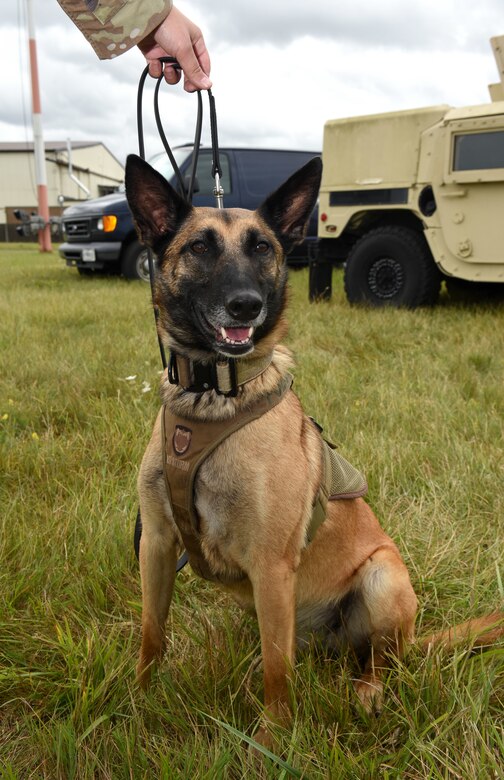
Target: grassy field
<point x="414" y="399"/>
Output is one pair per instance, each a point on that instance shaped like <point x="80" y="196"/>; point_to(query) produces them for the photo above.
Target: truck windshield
<point x="162" y="164"/>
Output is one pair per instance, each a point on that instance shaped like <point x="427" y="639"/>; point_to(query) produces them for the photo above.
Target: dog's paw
<point x="370" y="695"/>
<point x="258" y="760"/>
<point x="143" y="674"/>
<point x="265" y="738"/>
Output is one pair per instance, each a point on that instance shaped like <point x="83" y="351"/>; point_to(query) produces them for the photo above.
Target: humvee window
<point x="479" y="151"/>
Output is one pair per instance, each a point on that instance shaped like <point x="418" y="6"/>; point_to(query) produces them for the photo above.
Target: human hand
<point x="178" y="37"/>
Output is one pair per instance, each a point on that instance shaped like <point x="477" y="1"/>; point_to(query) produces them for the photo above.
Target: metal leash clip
<point x="218" y="193"/>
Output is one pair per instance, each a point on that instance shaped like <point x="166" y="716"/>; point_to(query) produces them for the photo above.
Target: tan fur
<point x="254" y="496"/>
<point x="478" y="632"/>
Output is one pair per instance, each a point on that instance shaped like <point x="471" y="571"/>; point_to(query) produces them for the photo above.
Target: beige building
<point x="95" y="171"/>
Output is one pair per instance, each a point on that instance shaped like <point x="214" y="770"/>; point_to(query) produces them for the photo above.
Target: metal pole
<point x="44" y="234"/>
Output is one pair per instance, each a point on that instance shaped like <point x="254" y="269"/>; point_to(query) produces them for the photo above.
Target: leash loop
<point x="186" y="191"/>
<point x="216" y="171"/>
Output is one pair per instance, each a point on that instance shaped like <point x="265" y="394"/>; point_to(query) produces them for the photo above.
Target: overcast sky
<point x="279" y="69"/>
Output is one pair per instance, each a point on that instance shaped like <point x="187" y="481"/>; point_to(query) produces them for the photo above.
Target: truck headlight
<point x="107" y="223"/>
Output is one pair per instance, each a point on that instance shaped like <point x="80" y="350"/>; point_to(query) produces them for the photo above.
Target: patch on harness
<point x="181" y="439"/>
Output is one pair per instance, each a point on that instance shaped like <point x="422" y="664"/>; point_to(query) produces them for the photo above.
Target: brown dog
<point x="246" y="516"/>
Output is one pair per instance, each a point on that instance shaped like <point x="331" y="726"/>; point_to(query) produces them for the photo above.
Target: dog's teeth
<point x="227" y="340"/>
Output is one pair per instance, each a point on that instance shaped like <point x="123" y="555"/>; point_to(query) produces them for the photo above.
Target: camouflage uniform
<point x="114" y="26"/>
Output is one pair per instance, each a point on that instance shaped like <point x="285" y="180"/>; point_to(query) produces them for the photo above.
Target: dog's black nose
<point x="244" y="306"/>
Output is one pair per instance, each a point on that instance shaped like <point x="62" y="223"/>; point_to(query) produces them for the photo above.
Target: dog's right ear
<point x="288" y="209"/>
<point x="156" y="208"/>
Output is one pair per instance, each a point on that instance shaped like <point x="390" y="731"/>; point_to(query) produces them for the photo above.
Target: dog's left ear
<point x="288" y="209"/>
<point x="156" y="208"/>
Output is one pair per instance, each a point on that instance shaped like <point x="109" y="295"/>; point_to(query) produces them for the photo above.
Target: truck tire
<point x="393" y="266"/>
<point x="135" y="263"/>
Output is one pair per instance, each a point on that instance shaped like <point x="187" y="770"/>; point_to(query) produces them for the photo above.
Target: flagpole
<point x="44" y="234"/>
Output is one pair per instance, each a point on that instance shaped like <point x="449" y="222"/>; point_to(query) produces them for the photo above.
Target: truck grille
<point x="76" y="228"/>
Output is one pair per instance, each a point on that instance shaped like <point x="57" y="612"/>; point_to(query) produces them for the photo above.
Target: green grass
<point x="414" y="399"/>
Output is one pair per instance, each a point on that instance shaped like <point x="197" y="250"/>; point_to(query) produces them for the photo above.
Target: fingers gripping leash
<point x="216" y="167"/>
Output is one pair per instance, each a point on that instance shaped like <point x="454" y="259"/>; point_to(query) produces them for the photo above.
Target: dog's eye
<point x="199" y="247"/>
<point x="261" y="248"/>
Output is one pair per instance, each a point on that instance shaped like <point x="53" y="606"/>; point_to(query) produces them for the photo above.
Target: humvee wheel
<point x="392" y="266"/>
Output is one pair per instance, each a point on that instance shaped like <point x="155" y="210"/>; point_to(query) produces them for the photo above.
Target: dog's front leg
<point x="274" y="596"/>
<point x="158" y="562"/>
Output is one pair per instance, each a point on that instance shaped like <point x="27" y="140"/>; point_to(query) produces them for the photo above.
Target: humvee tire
<point x="392" y="265"/>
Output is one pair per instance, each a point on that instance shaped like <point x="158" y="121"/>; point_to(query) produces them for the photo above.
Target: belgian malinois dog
<point x="221" y="293"/>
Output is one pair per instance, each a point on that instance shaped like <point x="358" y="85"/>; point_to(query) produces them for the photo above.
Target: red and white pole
<point x="44" y="235"/>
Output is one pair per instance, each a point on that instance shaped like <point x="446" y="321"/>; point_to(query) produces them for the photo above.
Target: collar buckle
<point x="195" y="377"/>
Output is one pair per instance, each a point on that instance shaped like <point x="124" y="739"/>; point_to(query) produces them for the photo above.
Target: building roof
<point x="50" y="146"/>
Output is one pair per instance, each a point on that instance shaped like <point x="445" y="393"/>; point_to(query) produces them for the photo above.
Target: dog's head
<point x="221" y="281"/>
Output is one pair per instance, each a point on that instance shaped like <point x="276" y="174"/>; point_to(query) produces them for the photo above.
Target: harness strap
<point x="186" y="444"/>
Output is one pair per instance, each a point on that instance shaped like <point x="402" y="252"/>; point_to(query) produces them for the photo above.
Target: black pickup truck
<point x="100" y="235"/>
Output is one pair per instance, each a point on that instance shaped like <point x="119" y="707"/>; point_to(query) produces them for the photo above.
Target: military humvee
<point x="410" y="198"/>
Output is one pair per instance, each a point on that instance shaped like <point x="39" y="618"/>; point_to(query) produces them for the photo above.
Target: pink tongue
<point x="237" y="334"/>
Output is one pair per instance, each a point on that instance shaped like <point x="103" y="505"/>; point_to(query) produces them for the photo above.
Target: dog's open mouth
<point x="231" y="340"/>
<point x="236" y="337"/>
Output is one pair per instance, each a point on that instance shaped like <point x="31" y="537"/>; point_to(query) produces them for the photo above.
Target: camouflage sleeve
<point x="114" y="26"/>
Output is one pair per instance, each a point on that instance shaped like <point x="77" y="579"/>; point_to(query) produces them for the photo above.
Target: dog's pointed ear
<point x="156" y="208"/>
<point x="288" y="209"/>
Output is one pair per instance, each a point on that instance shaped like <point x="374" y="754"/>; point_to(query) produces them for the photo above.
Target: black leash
<point x="187" y="194"/>
<point x="216" y="167"/>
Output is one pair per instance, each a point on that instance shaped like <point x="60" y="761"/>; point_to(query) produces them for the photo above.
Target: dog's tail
<point x="478" y="632"/>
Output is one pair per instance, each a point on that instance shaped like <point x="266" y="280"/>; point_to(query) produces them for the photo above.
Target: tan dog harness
<point x="187" y="443"/>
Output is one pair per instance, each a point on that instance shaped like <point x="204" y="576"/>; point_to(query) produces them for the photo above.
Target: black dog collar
<point x="225" y="376"/>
